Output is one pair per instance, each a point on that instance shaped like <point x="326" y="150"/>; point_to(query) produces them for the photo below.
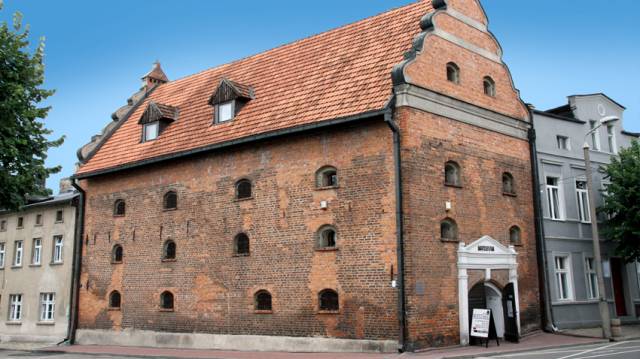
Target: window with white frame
<point x="225" y="112"/>
<point x="583" y="201"/>
<point x="36" y="256"/>
<point x="17" y="255"/>
<point x="57" y="249"/>
<point x="563" y="142"/>
<point x="638" y="272"/>
<point x="553" y="198"/>
<point x="595" y="138"/>
<point x="611" y="137"/>
<point x="2" y="254"/>
<point x="562" y="267"/>
<point x="47" y="306"/>
<point x="592" y="278"/>
<point x="15" y="307"/>
<point x="150" y="131"/>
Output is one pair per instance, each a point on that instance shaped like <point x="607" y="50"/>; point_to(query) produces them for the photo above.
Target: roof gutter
<point x="227" y="144"/>
<point x="397" y="162"/>
<point x="541" y="247"/>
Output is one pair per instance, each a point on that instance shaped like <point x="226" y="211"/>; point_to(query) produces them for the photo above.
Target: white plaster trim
<point x="147" y="338"/>
<point x="429" y="101"/>
<point x="467" y="20"/>
<point x="467" y="45"/>
<point x="470" y="258"/>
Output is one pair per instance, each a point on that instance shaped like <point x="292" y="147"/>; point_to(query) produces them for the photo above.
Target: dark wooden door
<point x="510" y="315"/>
<point x="618" y="286"/>
<point x="477" y="300"/>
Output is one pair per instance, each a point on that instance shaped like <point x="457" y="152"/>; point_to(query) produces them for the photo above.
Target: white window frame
<point x="36" y="256"/>
<point x="58" y="247"/>
<point x="224" y="105"/>
<point x="47" y="307"/>
<point x="565" y="272"/>
<point x="595" y="135"/>
<point x="15" y="307"/>
<point x="563" y="142"/>
<point x="150" y="136"/>
<point x="638" y="273"/>
<point x="3" y="254"/>
<point x="592" y="278"/>
<point x="582" y="198"/>
<point x="18" y="253"/>
<point x="549" y="189"/>
<point x="611" y="139"/>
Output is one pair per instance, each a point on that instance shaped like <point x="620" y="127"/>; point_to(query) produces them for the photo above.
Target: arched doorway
<point x="486" y="295"/>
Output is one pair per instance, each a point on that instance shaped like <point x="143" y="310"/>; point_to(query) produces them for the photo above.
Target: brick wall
<point x="214" y="289"/>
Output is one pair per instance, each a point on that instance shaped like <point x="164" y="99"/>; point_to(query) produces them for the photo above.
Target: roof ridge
<point x="286" y="44"/>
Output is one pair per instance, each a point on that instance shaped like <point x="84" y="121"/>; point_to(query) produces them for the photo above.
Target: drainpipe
<point x="397" y="160"/>
<point x="541" y="247"/>
<point x="75" y="266"/>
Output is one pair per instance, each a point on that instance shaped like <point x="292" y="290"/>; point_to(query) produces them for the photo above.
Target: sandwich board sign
<point x="480" y="323"/>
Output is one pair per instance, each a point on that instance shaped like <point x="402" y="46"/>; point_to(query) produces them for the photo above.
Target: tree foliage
<point x="23" y="136"/>
<point x="622" y="203"/>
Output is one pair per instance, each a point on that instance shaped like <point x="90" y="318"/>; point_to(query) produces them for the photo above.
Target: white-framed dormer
<point x="228" y="99"/>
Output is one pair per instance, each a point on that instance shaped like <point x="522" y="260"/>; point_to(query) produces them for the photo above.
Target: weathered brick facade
<point x="214" y="289"/>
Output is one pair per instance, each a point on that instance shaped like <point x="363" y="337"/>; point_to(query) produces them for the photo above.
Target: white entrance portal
<point x="485" y="254"/>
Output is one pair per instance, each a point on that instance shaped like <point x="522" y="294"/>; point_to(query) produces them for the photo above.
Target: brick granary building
<point x="362" y="189"/>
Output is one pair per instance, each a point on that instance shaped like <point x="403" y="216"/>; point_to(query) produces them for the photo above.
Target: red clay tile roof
<point x="339" y="73"/>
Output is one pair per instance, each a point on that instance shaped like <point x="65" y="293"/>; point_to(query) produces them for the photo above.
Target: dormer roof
<point x="229" y="90"/>
<point x="158" y="112"/>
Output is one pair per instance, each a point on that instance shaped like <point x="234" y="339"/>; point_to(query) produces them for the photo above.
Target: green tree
<point x="622" y="203"/>
<point x="23" y="136"/>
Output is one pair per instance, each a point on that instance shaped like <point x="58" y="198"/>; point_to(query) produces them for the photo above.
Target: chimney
<point x="154" y="77"/>
<point x="65" y="185"/>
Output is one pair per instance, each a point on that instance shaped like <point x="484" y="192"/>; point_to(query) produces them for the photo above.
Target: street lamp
<point x="602" y="300"/>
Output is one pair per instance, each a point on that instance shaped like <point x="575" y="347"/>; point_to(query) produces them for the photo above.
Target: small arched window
<point x="170" y="200"/>
<point x="116" y="254"/>
<point x="327" y="177"/>
<point x="328" y="300"/>
<point x="514" y="235"/>
<point x="241" y="244"/>
<point x="119" y="207"/>
<point x="452" y="174"/>
<point x="114" y="300"/>
<point x="166" y="300"/>
<point x="169" y="250"/>
<point x="489" y="86"/>
<point x="326" y="237"/>
<point x="263" y="300"/>
<point x="453" y="73"/>
<point x="508" y="186"/>
<point x="243" y="189"/>
<point x="448" y="230"/>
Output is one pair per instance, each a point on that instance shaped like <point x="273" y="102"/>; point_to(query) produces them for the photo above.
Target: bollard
<point x="616" y="329"/>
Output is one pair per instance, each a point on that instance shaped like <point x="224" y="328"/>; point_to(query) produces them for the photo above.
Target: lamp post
<point x="602" y="300"/>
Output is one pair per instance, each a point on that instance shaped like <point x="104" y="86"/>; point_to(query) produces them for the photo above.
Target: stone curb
<point x="495" y="353"/>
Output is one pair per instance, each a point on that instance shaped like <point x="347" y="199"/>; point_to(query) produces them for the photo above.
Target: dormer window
<point x="228" y="99"/>
<point x="225" y="112"/>
<point x="151" y="131"/>
<point x="155" y="119"/>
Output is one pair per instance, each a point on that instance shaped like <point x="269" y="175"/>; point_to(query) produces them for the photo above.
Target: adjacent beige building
<point x="36" y="255"/>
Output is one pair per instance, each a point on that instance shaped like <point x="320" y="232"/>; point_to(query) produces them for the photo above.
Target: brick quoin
<point x="214" y="289"/>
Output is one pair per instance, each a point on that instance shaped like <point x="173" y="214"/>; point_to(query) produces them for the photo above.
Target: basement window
<point x="150" y="131"/>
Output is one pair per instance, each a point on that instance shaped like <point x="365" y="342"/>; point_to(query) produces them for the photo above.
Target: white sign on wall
<point x="480" y="323"/>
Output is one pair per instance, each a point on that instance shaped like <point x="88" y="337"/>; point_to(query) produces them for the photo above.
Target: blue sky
<point x="96" y="51"/>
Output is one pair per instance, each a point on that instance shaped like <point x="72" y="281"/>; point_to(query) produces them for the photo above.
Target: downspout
<point x="397" y="161"/>
<point x="541" y="247"/>
<point x="76" y="265"/>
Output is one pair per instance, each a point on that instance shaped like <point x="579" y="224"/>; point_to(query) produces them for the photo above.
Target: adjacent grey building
<point x="561" y="133"/>
<point x="36" y="255"/>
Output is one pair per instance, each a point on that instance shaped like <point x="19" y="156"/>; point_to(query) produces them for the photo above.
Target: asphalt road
<point x="617" y="350"/>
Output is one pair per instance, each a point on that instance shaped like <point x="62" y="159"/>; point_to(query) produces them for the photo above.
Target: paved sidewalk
<point x="628" y="332"/>
<point x="535" y="341"/>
